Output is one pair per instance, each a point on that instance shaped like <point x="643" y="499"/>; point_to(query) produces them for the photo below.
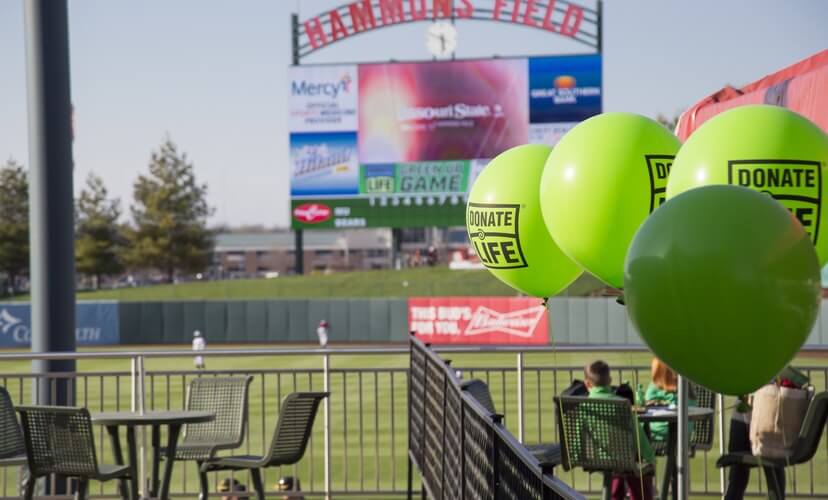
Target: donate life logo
<point x="494" y="233"/>
<point x="796" y="184"/>
<point x="659" y="169"/>
<point x="332" y="89"/>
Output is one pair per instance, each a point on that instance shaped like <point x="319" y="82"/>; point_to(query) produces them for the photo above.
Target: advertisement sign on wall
<point x="323" y="99"/>
<point x="95" y="324"/>
<point x="441" y="111"/>
<point x="324" y="164"/>
<point x="400" y="144"/>
<point x="479" y="320"/>
<point x="564" y="89"/>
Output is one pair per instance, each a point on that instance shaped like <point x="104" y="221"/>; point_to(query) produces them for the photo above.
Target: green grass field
<point x="372" y="399"/>
<point x="421" y="281"/>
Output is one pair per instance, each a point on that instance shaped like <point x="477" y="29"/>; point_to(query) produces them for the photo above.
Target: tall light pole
<point x="51" y="219"/>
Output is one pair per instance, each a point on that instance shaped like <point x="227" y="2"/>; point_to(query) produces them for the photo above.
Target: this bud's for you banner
<point x="479" y="320"/>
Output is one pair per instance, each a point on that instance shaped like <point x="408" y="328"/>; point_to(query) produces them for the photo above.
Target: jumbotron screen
<point x="400" y="144"/>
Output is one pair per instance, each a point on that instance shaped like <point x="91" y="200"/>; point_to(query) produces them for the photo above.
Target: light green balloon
<point x="601" y="181"/>
<point x="506" y="229"/>
<point x="766" y="148"/>
<point x="723" y="285"/>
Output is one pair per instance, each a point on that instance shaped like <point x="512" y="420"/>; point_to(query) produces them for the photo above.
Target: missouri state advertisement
<point x="441" y="111"/>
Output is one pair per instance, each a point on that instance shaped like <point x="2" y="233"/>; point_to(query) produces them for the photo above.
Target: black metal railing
<point x="462" y="449"/>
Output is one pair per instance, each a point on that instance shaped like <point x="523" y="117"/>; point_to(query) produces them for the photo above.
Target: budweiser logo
<point x="518" y="323"/>
<point x="312" y="213"/>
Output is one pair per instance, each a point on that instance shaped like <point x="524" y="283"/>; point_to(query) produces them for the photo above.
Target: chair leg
<point x="410" y="478"/>
<point x="256" y="476"/>
<point x="776" y="483"/>
<point x="83" y="485"/>
<point x="606" y="490"/>
<point x="29" y="486"/>
<point x="205" y="486"/>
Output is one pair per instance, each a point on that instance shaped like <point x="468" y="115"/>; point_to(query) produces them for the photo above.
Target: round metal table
<point x="155" y="419"/>
<point x="670" y="415"/>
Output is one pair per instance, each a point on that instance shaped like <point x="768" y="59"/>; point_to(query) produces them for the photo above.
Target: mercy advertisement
<point x="323" y="99"/>
<point x="479" y="320"/>
<point x="400" y="144"/>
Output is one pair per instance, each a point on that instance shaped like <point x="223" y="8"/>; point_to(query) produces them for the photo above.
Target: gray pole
<point x="683" y="441"/>
<point x="51" y="219"/>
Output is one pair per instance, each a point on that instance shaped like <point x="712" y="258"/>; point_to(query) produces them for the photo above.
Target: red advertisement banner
<point x="479" y="320"/>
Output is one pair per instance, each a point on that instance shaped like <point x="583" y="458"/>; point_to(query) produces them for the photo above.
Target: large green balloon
<point x="766" y="148"/>
<point x="506" y="228"/>
<point x="723" y="284"/>
<point x="600" y="182"/>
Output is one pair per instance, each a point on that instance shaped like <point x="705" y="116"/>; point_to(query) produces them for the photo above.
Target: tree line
<point x="168" y="232"/>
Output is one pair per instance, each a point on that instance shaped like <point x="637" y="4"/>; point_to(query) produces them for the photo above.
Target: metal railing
<point x="461" y="448"/>
<point x="360" y="447"/>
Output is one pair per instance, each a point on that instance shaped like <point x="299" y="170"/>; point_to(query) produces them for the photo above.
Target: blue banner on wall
<point x="95" y="324"/>
<point x="564" y="89"/>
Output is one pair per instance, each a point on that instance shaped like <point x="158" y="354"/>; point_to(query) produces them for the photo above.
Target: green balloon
<point x="723" y="285"/>
<point x="600" y="182"/>
<point x="766" y="148"/>
<point x="506" y="228"/>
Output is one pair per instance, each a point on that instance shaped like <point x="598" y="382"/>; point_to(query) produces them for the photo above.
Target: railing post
<point x="722" y="477"/>
<point x="520" y="395"/>
<point x="133" y="383"/>
<point x="327" y="375"/>
<point x="142" y="455"/>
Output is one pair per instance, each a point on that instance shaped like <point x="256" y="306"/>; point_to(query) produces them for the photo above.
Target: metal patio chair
<point x="12" y="445"/>
<point x="289" y="441"/>
<point x="59" y="440"/>
<point x="599" y="435"/>
<point x="803" y="451"/>
<point x="227" y="398"/>
<point x="547" y="454"/>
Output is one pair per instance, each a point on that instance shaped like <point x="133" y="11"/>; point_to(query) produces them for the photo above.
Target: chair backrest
<point x="58" y="440"/>
<point x="227" y="398"/>
<point x="597" y="434"/>
<point x="294" y="427"/>
<point x="702" y="436"/>
<point x="479" y="391"/>
<point x="812" y="429"/>
<point x="11" y="435"/>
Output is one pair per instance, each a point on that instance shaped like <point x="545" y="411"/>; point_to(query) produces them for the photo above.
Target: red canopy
<point x="801" y="87"/>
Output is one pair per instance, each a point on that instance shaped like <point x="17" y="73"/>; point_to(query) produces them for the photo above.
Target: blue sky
<point x="213" y="75"/>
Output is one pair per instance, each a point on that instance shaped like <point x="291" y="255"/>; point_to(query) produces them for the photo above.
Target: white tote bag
<point x="777" y="417"/>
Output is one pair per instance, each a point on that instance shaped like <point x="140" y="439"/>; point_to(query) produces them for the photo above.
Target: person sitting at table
<point x="663" y="391"/>
<point x="739" y="441"/>
<point x="598" y="382"/>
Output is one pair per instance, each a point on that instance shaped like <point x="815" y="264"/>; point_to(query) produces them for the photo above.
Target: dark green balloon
<point x="723" y="284"/>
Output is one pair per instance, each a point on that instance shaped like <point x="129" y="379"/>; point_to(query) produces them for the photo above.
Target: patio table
<point x="670" y="415"/>
<point x="172" y="419"/>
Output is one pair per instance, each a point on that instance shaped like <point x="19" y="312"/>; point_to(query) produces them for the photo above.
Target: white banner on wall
<point x="323" y="98"/>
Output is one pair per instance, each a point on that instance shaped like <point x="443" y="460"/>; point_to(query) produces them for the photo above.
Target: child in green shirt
<point x="598" y="380"/>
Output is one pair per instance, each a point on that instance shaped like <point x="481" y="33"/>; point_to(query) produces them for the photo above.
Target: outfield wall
<point x="571" y="320"/>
